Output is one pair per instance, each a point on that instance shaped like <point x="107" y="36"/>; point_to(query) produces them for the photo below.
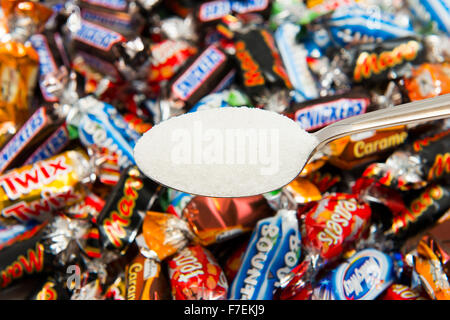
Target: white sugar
<point x="225" y="152"/>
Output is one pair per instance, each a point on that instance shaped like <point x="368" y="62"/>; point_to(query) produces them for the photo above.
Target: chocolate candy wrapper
<point x="54" y="144"/>
<point x="358" y="23"/>
<point x="51" y="289"/>
<point x="294" y="56"/>
<point x="303" y="191"/>
<point x="234" y="261"/>
<point x="261" y="69"/>
<point x="427" y="81"/>
<point x="333" y="223"/>
<point x="273" y="250"/>
<point x="18" y="64"/>
<point x="431" y="262"/>
<point x="127" y="55"/>
<point x="362" y="277"/>
<point x="99" y="124"/>
<point x="330" y="226"/>
<point x="211" y="12"/>
<point x="165" y="234"/>
<point x="122" y="216"/>
<point x="214" y="220"/>
<point x="198" y="78"/>
<point x="167" y="57"/>
<point x="40" y="126"/>
<point x="146" y="280"/>
<point x="120" y="16"/>
<point x="53" y="64"/>
<point x="432" y="14"/>
<point x="11" y="233"/>
<point x="415" y="165"/>
<point x="359" y="149"/>
<point x="25" y="18"/>
<point x="374" y="63"/>
<point x="401" y="292"/>
<point x="195" y="275"/>
<point x="48" y="249"/>
<point x="36" y="191"/>
<point x="423" y="209"/>
<point x="315" y="114"/>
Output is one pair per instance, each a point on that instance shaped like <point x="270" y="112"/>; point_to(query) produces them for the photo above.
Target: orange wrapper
<point x="165" y="234"/>
<point x="428" y="81"/>
<point x="18" y="73"/>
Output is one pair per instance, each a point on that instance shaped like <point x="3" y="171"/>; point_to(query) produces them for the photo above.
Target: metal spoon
<point x="415" y="112"/>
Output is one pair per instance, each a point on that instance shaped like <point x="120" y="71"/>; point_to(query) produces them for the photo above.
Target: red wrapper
<point x="195" y="275"/>
<point x="332" y="223"/>
<point x="401" y="292"/>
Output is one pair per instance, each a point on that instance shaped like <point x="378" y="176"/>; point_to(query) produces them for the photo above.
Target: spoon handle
<point x="414" y="112"/>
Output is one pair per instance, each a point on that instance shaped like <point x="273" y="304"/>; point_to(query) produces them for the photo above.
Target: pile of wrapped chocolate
<point x="82" y="80"/>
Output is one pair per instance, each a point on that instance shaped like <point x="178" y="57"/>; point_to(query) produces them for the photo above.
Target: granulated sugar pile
<point x="225" y="152"/>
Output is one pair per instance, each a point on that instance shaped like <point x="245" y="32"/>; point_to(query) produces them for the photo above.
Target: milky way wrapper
<point x="18" y="73"/>
<point x="145" y="280"/>
<point x="123" y="214"/>
<point x="215" y="220"/>
<point x="36" y="191"/>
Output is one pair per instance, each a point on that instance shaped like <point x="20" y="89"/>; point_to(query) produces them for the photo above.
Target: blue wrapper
<point x="362" y="277"/>
<point x="294" y="56"/>
<point x="103" y="126"/>
<point x="350" y="23"/>
<point x="434" y="11"/>
<point x="273" y="250"/>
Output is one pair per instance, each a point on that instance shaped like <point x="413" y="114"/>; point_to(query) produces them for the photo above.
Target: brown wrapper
<point x="218" y="219"/>
<point x="145" y="280"/>
<point x="432" y="263"/>
<point x="360" y="149"/>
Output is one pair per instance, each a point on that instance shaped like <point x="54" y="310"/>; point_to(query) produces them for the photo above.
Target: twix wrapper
<point x="35" y="191"/>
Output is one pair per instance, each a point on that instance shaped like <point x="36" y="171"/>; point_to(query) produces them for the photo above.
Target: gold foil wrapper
<point x="18" y="74"/>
